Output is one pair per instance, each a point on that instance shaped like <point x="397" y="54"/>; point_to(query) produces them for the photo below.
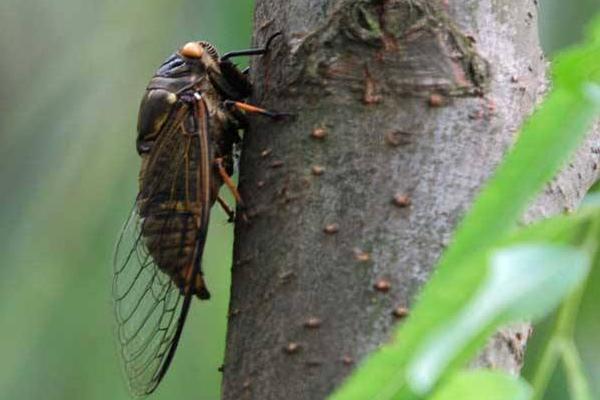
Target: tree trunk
<point x="403" y="109"/>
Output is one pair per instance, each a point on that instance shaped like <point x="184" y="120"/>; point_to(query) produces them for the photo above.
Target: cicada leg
<point x="251" y="109"/>
<point x="226" y="208"/>
<point x="251" y="52"/>
<point x="230" y="185"/>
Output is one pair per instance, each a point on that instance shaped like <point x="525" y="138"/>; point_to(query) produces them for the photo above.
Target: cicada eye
<point x="192" y="50"/>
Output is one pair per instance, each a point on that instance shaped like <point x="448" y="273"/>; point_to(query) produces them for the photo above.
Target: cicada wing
<point x="150" y="305"/>
<point x="147" y="307"/>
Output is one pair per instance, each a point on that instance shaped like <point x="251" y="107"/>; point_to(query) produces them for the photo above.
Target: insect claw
<point x="226" y="208"/>
<point x="279" y="116"/>
<point x="270" y="40"/>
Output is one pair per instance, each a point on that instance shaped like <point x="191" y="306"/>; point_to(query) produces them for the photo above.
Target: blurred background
<point x="72" y="74"/>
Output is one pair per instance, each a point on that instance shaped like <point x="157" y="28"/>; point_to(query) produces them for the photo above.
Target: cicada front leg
<point x="240" y="106"/>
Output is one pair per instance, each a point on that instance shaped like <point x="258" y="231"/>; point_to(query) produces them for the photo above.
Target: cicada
<point x="188" y="124"/>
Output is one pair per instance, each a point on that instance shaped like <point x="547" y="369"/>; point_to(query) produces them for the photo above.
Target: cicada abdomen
<point x="187" y="126"/>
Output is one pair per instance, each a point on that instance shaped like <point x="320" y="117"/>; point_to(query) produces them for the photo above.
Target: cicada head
<point x="189" y="63"/>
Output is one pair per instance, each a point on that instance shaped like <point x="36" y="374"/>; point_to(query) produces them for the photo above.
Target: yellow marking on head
<point x="192" y="50"/>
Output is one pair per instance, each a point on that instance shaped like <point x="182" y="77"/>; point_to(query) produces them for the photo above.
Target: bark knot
<point x="410" y="47"/>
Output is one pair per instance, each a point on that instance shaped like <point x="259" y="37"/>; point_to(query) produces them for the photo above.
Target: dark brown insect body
<point x="187" y="126"/>
<point x="185" y="98"/>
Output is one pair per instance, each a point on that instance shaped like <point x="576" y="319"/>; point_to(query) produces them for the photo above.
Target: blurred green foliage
<point x="71" y="77"/>
<point x="562" y="24"/>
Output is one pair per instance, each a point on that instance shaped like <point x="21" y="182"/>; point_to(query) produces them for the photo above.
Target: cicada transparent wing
<point x="157" y="259"/>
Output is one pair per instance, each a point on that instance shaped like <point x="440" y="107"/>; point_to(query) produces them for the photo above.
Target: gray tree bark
<point x="404" y="108"/>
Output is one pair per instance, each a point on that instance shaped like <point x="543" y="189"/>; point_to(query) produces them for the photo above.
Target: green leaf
<point x="488" y="385"/>
<point x="578" y="385"/>
<point x="561" y="343"/>
<point x="511" y="292"/>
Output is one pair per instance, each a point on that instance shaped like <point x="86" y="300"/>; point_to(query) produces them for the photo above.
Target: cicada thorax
<point x="182" y="113"/>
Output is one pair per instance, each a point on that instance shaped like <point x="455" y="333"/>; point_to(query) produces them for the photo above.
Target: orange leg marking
<point x="228" y="181"/>
<point x="231" y="185"/>
<point x="249" y="108"/>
